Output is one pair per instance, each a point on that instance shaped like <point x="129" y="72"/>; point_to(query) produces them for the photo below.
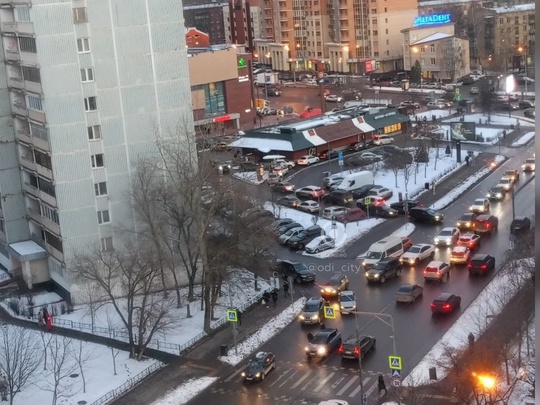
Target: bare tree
<point x="45" y="341"/>
<point x="20" y="357"/>
<point x="114" y="352"/>
<point x="398" y="161"/>
<point x="62" y="366"/>
<point x="91" y="294"/>
<point x="81" y="354"/>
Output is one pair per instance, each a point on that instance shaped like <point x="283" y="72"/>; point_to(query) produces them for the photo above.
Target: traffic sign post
<point x="367" y="203"/>
<point x="329" y="313"/>
<point x="394" y="362"/>
<point x="232" y="315"/>
<point x="340" y="158"/>
<point x="396" y="374"/>
<point x="396" y="382"/>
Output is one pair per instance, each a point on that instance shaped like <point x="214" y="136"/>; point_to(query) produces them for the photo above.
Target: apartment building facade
<point x="84" y="89"/>
<point x="345" y="35"/>
<point x="242" y="24"/>
<point x="206" y="16"/>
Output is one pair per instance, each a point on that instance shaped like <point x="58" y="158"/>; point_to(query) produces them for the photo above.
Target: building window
<point x="103" y="217"/>
<point x="46" y="186"/>
<point x="433" y="61"/>
<point x="90" y="104"/>
<point x="215" y="98"/>
<point x="34" y="103"/>
<point x="83" y="45"/>
<point x="374" y="21"/>
<point x="56" y="266"/>
<point x="100" y="188"/>
<point x="373" y="10"/>
<point x="387" y="42"/>
<point x="375" y="54"/>
<point x="94" y="133"/>
<point x="423" y="49"/>
<point x="31" y="74"/>
<point x="27" y="44"/>
<point x="107" y="244"/>
<point x="501" y="20"/>
<point x="97" y="160"/>
<point x="54" y="241"/>
<point x="79" y="15"/>
<point x="50" y="213"/>
<point x="87" y="75"/>
<point x="39" y="132"/>
<point x="516" y="31"/>
<point x="387" y="53"/>
<point x="387" y="31"/>
<point x="432" y="48"/>
<point x="42" y="159"/>
<point x="22" y="13"/>
<point x="386" y="10"/>
<point x="375" y="33"/>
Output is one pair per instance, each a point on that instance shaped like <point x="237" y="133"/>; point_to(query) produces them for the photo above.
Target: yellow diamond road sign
<point x="395" y="362"/>
<point x="232" y="316"/>
<point x="329" y="313"/>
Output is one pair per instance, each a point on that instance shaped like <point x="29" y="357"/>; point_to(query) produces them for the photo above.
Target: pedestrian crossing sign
<point x="396" y="374"/>
<point x="232" y="315"/>
<point x="329" y="313"/>
<point x="394" y="362"/>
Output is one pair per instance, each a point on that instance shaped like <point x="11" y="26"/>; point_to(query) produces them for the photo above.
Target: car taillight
<point x="376" y="137"/>
<point x="488" y="225"/>
<point x="356" y="350"/>
<point x="446" y="306"/>
<point x="483" y="267"/>
<point x="469" y="266"/>
<point x="432" y="305"/>
<point x="341" y="349"/>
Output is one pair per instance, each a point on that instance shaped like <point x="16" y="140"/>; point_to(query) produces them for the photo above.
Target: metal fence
<point x="243" y="307"/>
<point x="128" y="385"/>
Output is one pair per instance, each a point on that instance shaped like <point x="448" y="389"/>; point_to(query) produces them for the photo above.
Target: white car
<point x="320" y="243"/>
<point x="479" y="206"/>
<point x="417" y="253"/>
<point x="460" y="255"/>
<point x="332" y="98"/>
<point x="334" y="402"/>
<point x="347" y="302"/>
<point x="307" y="160"/>
<point x="447" y="237"/>
<point x="380" y="192"/>
<point x="310" y="192"/>
<point x="505" y="183"/>
<point x="370" y="156"/>
<point x="309" y="206"/>
<point x="283" y="239"/>
<point x="333" y="212"/>
<point x="287" y="163"/>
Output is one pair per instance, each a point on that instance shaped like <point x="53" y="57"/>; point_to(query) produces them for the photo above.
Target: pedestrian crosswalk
<point x="305" y="382"/>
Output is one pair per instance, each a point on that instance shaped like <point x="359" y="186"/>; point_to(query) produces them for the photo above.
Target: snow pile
<point x="503" y="287"/>
<point x="524" y="140"/>
<point x="250" y="177"/>
<point x="460" y="189"/>
<point x="186" y="392"/>
<point x="264" y="334"/>
<point x="496" y="119"/>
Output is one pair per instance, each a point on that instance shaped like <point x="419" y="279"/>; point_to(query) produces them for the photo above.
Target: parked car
<point x="282" y="229"/>
<point x="526" y="104"/>
<point x="339" y="197"/>
<point x="409" y="293"/>
<point x="286" y="163"/>
<point x="332" y="212"/>
<point x="278" y="223"/>
<point x="370" y="156"/>
<point x="356" y="146"/>
<point x="328" y="154"/>
<point x="333" y="287"/>
<point x="470" y="240"/>
<point x="429" y="215"/>
<point x="529" y="165"/>
<point x="307" y="160"/>
<point x="357" y="348"/>
<point x="347" y="302"/>
<point x="300" y="240"/>
<point x="381" y="192"/>
<point x="284" y="238"/>
<point x="409" y="103"/>
<point x="520" y="224"/>
<point x="480" y="264"/>
<point x="289" y="201"/>
<point x="383" y="211"/>
<point x="283" y="187"/>
<point x="259" y="366"/>
<point x="486" y="223"/>
<point x="467" y="221"/>
<point x="273" y="179"/>
<point x="311" y="192"/>
<point x="220" y="147"/>
<point x="445" y="303"/>
<point x="417" y="253"/>
<point x="332" y="180"/>
<point x="474" y="90"/>
<point x="399" y="206"/>
<point x="383" y="270"/>
<point x="496" y="193"/>
<point x="332" y="98"/>
<point x="435" y="105"/>
<point x="273" y="92"/>
<point x="323" y="343"/>
<point x="530" y="113"/>
<point x="447" y="237"/>
<point x="309" y="206"/>
<point x="363" y="191"/>
<point x="320" y="244"/>
<point x="351" y="215"/>
<point x="313" y="311"/>
<point x="460" y="255"/>
<point x="437" y="270"/>
<point x="480" y="205"/>
<point x="298" y="271"/>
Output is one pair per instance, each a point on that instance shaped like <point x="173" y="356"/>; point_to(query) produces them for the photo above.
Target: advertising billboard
<point x="463" y="131"/>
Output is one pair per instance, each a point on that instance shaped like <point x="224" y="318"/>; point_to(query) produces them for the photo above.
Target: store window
<point x="214" y="97"/>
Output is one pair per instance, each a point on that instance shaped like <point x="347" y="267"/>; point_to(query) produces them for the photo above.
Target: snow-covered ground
<point x="474" y="319"/>
<point x="264" y="334"/>
<point x="461" y="188"/>
<point x="524" y="140"/>
<point x="429" y="114"/>
<point x="496" y="119"/>
<point x="186" y="391"/>
<point x="250" y="177"/>
<point x="522" y="390"/>
<point x="98" y="371"/>
<point x="235" y="293"/>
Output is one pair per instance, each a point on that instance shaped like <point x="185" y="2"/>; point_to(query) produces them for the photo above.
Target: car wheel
<point x="274" y="365"/>
<point x="301" y="246"/>
<point x="298" y="280"/>
<point x="383" y="279"/>
<point x="317" y="250"/>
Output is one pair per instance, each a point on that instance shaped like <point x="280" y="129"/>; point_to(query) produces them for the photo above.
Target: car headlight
<point x="499" y="195"/>
<point x="366" y="274"/>
<point x="437" y="240"/>
<point x="321" y="350"/>
<point x="412" y="260"/>
<point x="315" y="317"/>
<point x="302" y="317"/>
<point x="342" y="307"/>
<point x="437" y="217"/>
<point x="364" y="263"/>
<point x="257" y="375"/>
<point x="467" y="224"/>
<point x="471" y="207"/>
<point x="376" y="275"/>
<point x="306" y="349"/>
<point x="243" y="374"/>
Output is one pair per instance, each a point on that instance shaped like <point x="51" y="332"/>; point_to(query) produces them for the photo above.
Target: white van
<point x="381" y="250"/>
<point x="382" y="140"/>
<point x="356" y="180"/>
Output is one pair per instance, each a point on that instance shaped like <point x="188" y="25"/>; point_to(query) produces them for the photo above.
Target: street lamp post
<point x="523" y="49"/>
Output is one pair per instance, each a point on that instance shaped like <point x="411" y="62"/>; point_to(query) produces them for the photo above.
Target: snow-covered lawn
<point x="473" y="319"/>
<point x="496" y="119"/>
<point x="522" y="390"/>
<point x="461" y="188"/>
<point x="264" y="334"/>
<point x="236" y="293"/>
<point x="524" y="140"/>
<point x="186" y="392"/>
<point x="98" y="371"/>
<point x="429" y="114"/>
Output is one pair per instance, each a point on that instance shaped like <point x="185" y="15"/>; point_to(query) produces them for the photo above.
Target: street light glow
<point x="510" y="84"/>
<point x="486" y="381"/>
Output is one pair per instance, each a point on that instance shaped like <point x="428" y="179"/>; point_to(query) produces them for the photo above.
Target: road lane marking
<point x="231" y="377"/>
<point x="301" y="380"/>
<point x="334" y="385"/>
<point x="291" y="376"/>
<point x="370" y="390"/>
<point x="324" y="382"/>
<point x="351" y="381"/>
<point x="280" y="377"/>
<point x="357" y="389"/>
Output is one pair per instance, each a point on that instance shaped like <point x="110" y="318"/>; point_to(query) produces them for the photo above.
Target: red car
<point x="445" y="303"/>
<point x="351" y="215"/>
<point x="470" y="240"/>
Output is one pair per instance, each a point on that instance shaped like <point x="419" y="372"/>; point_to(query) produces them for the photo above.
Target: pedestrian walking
<point x="323" y="326"/>
<point x="285" y="289"/>
<point x="274" y="296"/>
<point x="382" y="385"/>
<point x="48" y="321"/>
<point x="40" y="318"/>
<point x="467" y="158"/>
<point x="266" y="298"/>
<point x="504" y="134"/>
<point x="471" y="340"/>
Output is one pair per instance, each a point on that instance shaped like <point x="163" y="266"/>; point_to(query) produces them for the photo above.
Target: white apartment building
<point x="85" y="85"/>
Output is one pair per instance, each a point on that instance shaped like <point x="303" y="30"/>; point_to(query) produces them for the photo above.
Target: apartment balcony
<point x="19" y="108"/>
<point x="34" y="215"/>
<point x="43" y="171"/>
<point x="37" y="116"/>
<point x="49" y="199"/>
<point x="33" y="87"/>
<point x="50" y="226"/>
<point x="42" y="144"/>
<point x="15" y="2"/>
<point x="29" y="58"/>
<point x="55" y="253"/>
<point x="16" y="83"/>
<point x="28" y="163"/>
<point x="28" y="188"/>
<point x="23" y="136"/>
<point x="14" y="56"/>
<point x="18" y="27"/>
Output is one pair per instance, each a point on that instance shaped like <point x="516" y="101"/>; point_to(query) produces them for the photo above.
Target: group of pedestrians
<point x="272" y="295"/>
<point x="44" y="319"/>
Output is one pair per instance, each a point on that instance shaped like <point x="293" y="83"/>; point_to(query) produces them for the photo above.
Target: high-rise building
<point x="242" y="23"/>
<point x="85" y="87"/>
<point x="206" y="16"/>
<point x="345" y="35"/>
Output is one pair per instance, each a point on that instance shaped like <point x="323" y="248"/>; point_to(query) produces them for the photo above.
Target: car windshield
<point x="319" y="339"/>
<point x="478" y="202"/>
<point x="431" y="212"/>
<point x="445" y="233"/>
<point x="404" y="289"/>
<point x="466" y="217"/>
<point x="503" y="181"/>
<point x="379" y="266"/>
<point x="255" y="363"/>
<point x="373" y="255"/>
<point x="459" y="253"/>
<point x="311" y="307"/>
<point x="346" y="298"/>
<point x="529" y="161"/>
<point x="414" y="249"/>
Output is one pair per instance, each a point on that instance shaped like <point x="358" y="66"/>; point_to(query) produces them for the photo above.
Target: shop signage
<point x="388" y="114"/>
<point x="433" y="19"/>
<point x="244" y="78"/>
<point x="392" y="128"/>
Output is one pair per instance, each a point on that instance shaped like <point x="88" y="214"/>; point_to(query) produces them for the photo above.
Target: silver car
<point x="347" y="302"/>
<point x="309" y="206"/>
<point x="284" y="238"/>
<point x="313" y="311"/>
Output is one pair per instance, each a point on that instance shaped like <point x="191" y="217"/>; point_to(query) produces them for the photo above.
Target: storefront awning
<point x="385" y="118"/>
<point x="263" y="144"/>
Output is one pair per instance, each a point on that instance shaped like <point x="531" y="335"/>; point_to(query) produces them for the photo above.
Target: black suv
<point x="429" y="215"/>
<point x="467" y="221"/>
<point x="486" y="223"/>
<point x="400" y="205"/>
<point x="481" y="264"/>
<point x="336" y="284"/>
<point x="300" y="241"/>
<point x="363" y="191"/>
<point x="520" y="224"/>
<point x="383" y="270"/>
<point x="353" y="348"/>
<point x="298" y="271"/>
<point x="339" y="197"/>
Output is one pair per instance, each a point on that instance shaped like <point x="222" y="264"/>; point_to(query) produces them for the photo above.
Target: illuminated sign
<point x="388" y="114"/>
<point x="371" y="66"/>
<point x="434" y="19"/>
<point x="241" y="63"/>
<point x="244" y="78"/>
<point x="392" y="128"/>
<point x="222" y="118"/>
